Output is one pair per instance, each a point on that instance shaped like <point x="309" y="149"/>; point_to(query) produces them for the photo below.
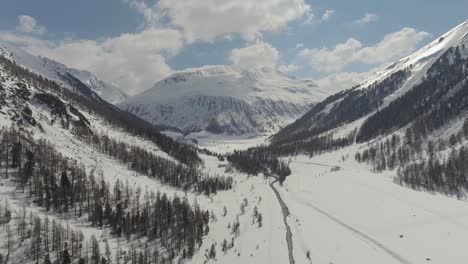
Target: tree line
<point x="266" y="159"/>
<point x="167" y="171"/>
<point x="421" y="162"/>
<point x="259" y="160"/>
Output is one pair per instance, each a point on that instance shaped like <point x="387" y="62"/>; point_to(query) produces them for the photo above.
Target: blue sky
<point x="134" y="43"/>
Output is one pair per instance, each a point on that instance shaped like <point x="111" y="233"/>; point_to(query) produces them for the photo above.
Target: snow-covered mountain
<point x="407" y="83"/>
<point x="225" y="99"/>
<point x="105" y="90"/>
<point x="60" y="73"/>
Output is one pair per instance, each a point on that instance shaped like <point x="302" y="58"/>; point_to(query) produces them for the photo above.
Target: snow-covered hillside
<point x="58" y="72"/>
<point x="420" y="61"/>
<point x="225" y="99"/>
<point x="351" y="109"/>
<point x="107" y="91"/>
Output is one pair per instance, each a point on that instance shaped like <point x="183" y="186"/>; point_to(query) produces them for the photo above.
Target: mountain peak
<point x="421" y="60"/>
<point x="226" y="98"/>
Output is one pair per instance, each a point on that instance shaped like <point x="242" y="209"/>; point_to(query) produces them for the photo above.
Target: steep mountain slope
<point x="80" y="81"/>
<point x="225" y="99"/>
<point x="106" y="91"/>
<point x="23" y="91"/>
<point x="411" y="88"/>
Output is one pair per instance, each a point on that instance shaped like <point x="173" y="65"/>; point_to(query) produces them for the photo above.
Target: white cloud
<point x="151" y="17"/>
<point x="259" y="54"/>
<point x="367" y="19"/>
<point x="28" y="24"/>
<point x="134" y="61"/>
<point x="299" y="46"/>
<point x="288" y="68"/>
<point x="392" y="47"/>
<point x="327" y="15"/>
<point x="331" y="60"/>
<point x="208" y="20"/>
<point x="343" y="80"/>
<point x="309" y="20"/>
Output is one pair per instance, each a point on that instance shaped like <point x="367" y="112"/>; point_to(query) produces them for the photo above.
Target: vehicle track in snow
<point x="313" y="163"/>
<point x="359" y="233"/>
<point x="350" y="228"/>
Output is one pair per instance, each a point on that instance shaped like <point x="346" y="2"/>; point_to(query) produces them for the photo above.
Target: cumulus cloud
<point x="392" y="47"/>
<point x="208" y="20"/>
<point x="28" y="24"/>
<point x="312" y="19"/>
<point x="327" y="15"/>
<point x="288" y="68"/>
<point x="133" y="61"/>
<point x="343" y="80"/>
<point x="151" y="17"/>
<point x="259" y="54"/>
<point x="367" y="19"/>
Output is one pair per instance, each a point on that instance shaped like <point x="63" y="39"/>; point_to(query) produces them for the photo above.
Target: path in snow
<point x="314" y="163"/>
<point x="359" y="233"/>
<point x="285" y="212"/>
<point x="354" y="230"/>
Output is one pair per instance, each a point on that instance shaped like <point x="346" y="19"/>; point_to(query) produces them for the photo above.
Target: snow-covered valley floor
<point x="356" y="216"/>
<point x="221" y="143"/>
<point x="347" y="216"/>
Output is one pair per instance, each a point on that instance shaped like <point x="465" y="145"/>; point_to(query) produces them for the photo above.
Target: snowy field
<point x="221" y="143"/>
<point x="355" y="216"/>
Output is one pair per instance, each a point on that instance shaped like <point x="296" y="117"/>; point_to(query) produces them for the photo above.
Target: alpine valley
<point x="289" y="172"/>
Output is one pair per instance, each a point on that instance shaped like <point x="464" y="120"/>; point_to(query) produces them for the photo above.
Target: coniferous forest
<point x="61" y="185"/>
<point x="422" y="163"/>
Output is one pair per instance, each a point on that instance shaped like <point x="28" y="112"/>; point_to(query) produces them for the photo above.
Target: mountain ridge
<point x="380" y="90"/>
<point x="62" y="74"/>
